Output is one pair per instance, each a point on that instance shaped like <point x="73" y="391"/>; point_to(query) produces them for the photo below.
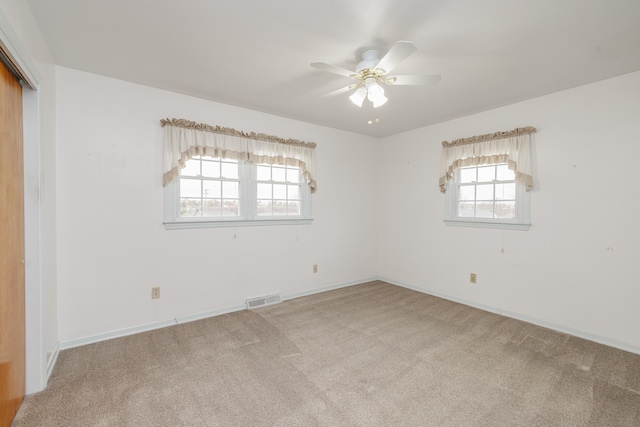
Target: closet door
<point x="12" y="299"/>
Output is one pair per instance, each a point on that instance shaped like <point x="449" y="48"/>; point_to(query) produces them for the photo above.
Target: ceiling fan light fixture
<point x="372" y="72"/>
<point x="358" y="96"/>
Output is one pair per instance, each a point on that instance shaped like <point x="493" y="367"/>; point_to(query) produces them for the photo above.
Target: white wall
<point x="113" y="246"/>
<point x="575" y="268"/>
<point x="21" y="32"/>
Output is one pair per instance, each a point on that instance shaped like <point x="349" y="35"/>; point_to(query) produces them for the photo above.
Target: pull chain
<point x="372" y="121"/>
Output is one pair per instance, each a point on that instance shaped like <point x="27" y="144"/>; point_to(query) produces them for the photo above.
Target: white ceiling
<point x="256" y="53"/>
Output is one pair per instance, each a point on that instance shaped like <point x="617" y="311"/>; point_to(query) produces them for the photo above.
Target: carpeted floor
<point x="368" y="355"/>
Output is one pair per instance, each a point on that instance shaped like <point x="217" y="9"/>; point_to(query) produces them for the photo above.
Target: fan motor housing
<point x="370" y="59"/>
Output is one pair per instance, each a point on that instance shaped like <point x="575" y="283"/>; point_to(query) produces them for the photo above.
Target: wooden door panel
<point x="12" y="310"/>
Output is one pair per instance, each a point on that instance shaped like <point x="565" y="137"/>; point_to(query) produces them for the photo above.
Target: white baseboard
<point x="206" y="314"/>
<point x="285" y="297"/>
<point x="64" y="345"/>
<point x="326" y="288"/>
<point x="51" y="361"/>
<point x="539" y="322"/>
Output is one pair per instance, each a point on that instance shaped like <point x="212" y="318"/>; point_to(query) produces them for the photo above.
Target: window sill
<point x="488" y="224"/>
<point x="182" y="225"/>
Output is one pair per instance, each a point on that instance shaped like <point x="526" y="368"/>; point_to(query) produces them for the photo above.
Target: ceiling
<point x="256" y="53"/>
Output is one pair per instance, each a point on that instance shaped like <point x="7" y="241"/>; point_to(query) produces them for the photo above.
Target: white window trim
<point x="521" y="222"/>
<point x="173" y="221"/>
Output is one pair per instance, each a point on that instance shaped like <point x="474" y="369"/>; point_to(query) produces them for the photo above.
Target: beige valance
<point x="188" y="124"/>
<point x="511" y="147"/>
<point x="184" y="139"/>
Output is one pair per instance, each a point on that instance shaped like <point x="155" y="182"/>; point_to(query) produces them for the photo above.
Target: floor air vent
<point x="263" y="301"/>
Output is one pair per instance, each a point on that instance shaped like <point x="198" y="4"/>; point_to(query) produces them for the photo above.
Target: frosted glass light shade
<point x="358" y="96"/>
<point x="376" y="95"/>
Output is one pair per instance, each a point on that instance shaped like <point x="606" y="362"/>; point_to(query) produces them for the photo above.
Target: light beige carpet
<point x="368" y="355"/>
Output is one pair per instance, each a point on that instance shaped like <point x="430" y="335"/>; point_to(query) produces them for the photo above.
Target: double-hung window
<point x="487" y="196"/>
<point x="280" y="192"/>
<point x="209" y="188"/>
<point x="215" y="177"/>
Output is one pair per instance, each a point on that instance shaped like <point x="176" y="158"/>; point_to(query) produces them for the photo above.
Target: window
<point x="215" y="192"/>
<point x="487" y="196"/>
<point x="279" y="191"/>
<point x="209" y="188"/>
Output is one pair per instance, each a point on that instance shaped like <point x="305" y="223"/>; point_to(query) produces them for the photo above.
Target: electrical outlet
<point x="472" y="277"/>
<point x="155" y="293"/>
<point x="315" y="268"/>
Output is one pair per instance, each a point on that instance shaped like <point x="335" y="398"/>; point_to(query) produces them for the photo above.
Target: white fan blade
<point x="398" y="53"/>
<point x="339" y="91"/>
<point x="413" y="79"/>
<point x="332" y="68"/>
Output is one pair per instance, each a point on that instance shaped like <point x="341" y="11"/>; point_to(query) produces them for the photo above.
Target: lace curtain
<point x="511" y="147"/>
<point x="184" y="139"/>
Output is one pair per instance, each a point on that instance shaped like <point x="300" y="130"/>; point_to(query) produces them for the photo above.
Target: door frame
<point x="36" y="364"/>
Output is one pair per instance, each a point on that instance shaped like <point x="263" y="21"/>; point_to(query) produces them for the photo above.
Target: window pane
<point x="230" y="170"/>
<point x="211" y="169"/>
<point x="279" y="207"/>
<point x="211" y="189"/>
<point x="486" y="174"/>
<point x="279" y="191"/>
<point x="467" y="175"/>
<point x="484" y="192"/>
<point x="190" y="207"/>
<point x="190" y="188"/>
<point x="230" y="189"/>
<point x="484" y="210"/>
<point x="211" y="207"/>
<point x="467" y="192"/>
<point x="466" y="209"/>
<point x="230" y="207"/>
<point x="506" y="191"/>
<point x="504" y="174"/>
<point x="264" y="191"/>
<point x="294" y="192"/>
<point x="293" y="208"/>
<point x="506" y="210"/>
<point x="264" y="207"/>
<point x="293" y="175"/>
<point x="264" y="173"/>
<point x="279" y="174"/>
<point x="192" y="168"/>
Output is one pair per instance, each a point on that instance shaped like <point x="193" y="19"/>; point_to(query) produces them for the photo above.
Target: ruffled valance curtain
<point x="184" y="139"/>
<point x="512" y="147"/>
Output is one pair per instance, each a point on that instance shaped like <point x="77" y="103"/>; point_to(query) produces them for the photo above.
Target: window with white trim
<point x="487" y="196"/>
<point x="209" y="188"/>
<point x="216" y="192"/>
<point x="279" y="192"/>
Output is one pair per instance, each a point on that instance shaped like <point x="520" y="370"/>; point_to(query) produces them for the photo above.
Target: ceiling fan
<point x="372" y="71"/>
